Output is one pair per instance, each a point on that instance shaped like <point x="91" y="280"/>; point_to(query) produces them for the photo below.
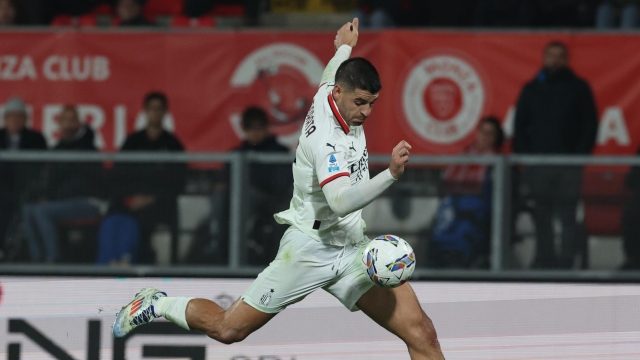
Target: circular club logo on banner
<point x="281" y="78"/>
<point x="443" y="98"/>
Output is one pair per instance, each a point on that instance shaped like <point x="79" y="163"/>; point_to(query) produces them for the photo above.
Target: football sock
<point x="173" y="309"/>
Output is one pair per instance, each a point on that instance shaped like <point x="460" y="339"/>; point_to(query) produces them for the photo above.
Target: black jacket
<point x="164" y="180"/>
<point x="29" y="140"/>
<point x="556" y="114"/>
<point x="73" y="179"/>
<point x="17" y="179"/>
<point x="269" y="178"/>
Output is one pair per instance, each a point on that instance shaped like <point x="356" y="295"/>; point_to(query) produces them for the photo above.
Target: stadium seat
<point x="87" y="21"/>
<point x="183" y="21"/>
<point x="604" y="197"/>
<point x="155" y="8"/>
<point x="102" y="10"/>
<point x="63" y="20"/>
<point x="227" y="10"/>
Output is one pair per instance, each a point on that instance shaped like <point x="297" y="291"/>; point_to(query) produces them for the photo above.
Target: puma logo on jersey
<point x="332" y="146"/>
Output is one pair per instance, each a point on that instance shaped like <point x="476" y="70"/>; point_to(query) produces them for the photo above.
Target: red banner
<point x="436" y="85"/>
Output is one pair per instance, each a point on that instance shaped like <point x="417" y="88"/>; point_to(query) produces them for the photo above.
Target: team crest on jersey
<point x="333" y="164"/>
<point x="266" y="298"/>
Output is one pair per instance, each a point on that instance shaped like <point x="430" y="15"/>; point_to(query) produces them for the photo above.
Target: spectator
<point x="460" y="232"/>
<point x="130" y="13"/>
<point x="270" y="186"/>
<point x="149" y="191"/>
<point x="7" y="12"/>
<point x="556" y="114"/>
<point x="72" y="194"/>
<point x="631" y="222"/>
<point x="15" y="178"/>
<point x="627" y="10"/>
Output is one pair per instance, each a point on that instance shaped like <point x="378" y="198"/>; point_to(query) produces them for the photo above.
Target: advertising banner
<point x="436" y="84"/>
<point x="70" y="318"/>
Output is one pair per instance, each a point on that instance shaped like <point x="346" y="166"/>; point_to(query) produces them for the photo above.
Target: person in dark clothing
<point x="630" y="221"/>
<point x="15" y="135"/>
<point x="149" y="191"/>
<point x="73" y="191"/>
<point x="556" y="114"/>
<point x="15" y="178"/>
<point x="130" y="13"/>
<point x="267" y="178"/>
<point x="269" y="187"/>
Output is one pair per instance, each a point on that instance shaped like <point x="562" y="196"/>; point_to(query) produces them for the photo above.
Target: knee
<point x="423" y="334"/>
<point x="227" y="335"/>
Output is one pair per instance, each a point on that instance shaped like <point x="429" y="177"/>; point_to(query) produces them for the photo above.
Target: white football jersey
<point x="328" y="149"/>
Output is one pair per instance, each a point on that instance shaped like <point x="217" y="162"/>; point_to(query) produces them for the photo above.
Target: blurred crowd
<point x="127" y="204"/>
<point x="603" y="14"/>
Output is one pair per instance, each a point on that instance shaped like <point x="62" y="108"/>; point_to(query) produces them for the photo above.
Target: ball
<point x="389" y="261"/>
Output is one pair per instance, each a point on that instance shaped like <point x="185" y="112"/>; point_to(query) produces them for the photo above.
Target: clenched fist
<point x="347" y="35"/>
<point x="399" y="157"/>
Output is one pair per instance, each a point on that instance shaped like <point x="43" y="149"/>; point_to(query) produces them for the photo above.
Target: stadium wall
<point x="70" y="318"/>
<point x="436" y="84"/>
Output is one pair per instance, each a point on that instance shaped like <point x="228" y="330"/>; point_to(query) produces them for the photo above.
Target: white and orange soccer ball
<point x="389" y="261"/>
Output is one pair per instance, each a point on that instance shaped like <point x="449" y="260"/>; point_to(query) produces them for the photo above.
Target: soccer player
<point x="323" y="246"/>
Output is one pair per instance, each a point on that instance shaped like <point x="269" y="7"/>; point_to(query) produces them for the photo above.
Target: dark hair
<point x="492" y="120"/>
<point x="254" y="116"/>
<point x="358" y="73"/>
<point x="156" y="95"/>
<point x="557" y="43"/>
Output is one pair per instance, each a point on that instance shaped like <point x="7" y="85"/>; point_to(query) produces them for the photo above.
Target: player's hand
<point x="399" y="157"/>
<point x="347" y="35"/>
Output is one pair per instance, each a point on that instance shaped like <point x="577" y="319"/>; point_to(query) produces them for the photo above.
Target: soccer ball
<point x="389" y="261"/>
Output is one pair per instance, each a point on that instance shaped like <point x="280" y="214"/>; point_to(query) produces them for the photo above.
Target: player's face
<point x="354" y="106"/>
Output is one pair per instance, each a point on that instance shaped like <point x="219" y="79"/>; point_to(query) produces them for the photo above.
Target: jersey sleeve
<point x="329" y="73"/>
<point x="330" y="163"/>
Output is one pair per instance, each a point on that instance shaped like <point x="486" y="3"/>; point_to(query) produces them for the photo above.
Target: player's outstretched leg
<point x="399" y="311"/>
<point x="226" y="326"/>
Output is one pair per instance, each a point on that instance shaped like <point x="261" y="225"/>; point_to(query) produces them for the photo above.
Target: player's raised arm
<point x="348" y="36"/>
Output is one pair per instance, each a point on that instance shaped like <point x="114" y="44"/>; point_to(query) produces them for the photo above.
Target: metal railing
<point x="501" y="186"/>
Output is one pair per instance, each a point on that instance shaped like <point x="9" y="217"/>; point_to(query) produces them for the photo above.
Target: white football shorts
<point x="304" y="265"/>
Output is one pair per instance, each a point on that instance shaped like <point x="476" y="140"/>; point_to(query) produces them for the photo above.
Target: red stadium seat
<point x="102" y="10"/>
<point x="227" y="10"/>
<point x="87" y="20"/>
<point x="604" y="197"/>
<point x="183" y="21"/>
<point x="63" y="20"/>
<point x="206" y="21"/>
<point x="180" y="21"/>
<point x="155" y="8"/>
